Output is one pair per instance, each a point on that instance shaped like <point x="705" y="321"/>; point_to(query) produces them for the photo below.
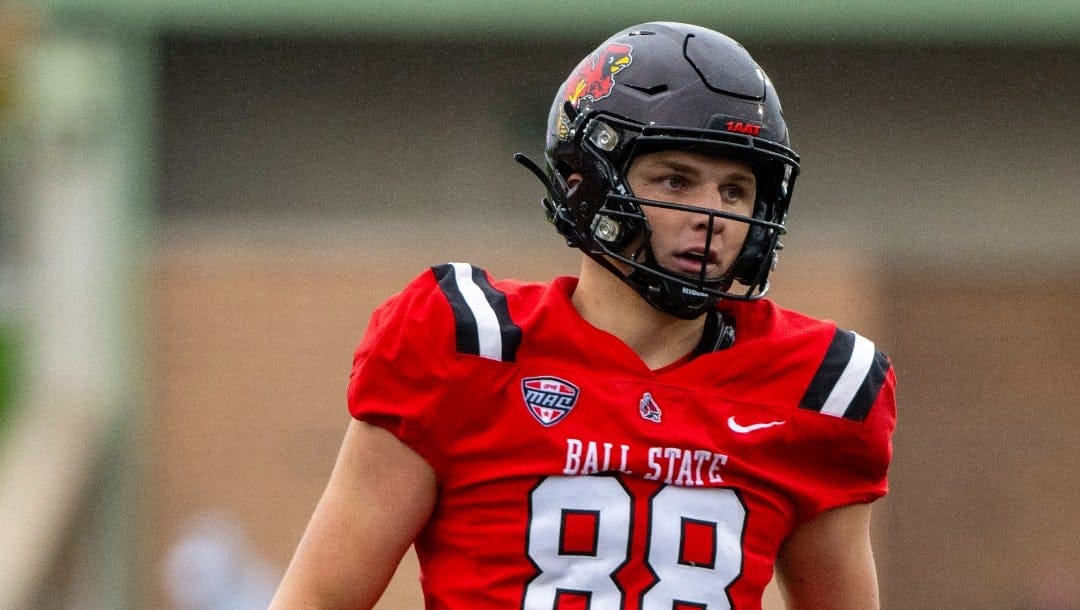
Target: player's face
<point x="704" y="181"/>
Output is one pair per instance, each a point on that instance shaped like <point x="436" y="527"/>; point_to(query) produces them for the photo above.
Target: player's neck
<point x="609" y="304"/>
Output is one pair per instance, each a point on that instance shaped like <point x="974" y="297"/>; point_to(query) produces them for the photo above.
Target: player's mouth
<point x="691" y="260"/>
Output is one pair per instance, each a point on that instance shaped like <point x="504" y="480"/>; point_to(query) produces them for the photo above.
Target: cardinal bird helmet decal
<point x="594" y="77"/>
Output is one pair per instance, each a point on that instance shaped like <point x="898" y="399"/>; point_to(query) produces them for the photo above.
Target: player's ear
<point x="572" y="182"/>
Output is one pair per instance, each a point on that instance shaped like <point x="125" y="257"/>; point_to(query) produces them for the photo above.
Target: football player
<point x="650" y="434"/>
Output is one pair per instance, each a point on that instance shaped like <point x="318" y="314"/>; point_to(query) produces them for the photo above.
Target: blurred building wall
<point x="984" y="506"/>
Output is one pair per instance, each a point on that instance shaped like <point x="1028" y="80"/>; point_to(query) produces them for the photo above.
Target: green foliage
<point x="9" y="368"/>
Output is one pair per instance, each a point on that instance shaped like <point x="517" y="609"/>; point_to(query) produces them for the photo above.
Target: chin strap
<point x="670" y="297"/>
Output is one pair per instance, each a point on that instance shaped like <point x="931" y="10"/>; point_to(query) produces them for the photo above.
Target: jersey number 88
<point x="694" y="547"/>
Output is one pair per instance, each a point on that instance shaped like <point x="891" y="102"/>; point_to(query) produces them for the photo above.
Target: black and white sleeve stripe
<point x="481" y="316"/>
<point x="849" y="378"/>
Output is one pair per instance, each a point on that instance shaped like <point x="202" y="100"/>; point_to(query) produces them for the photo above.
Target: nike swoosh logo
<point x="735" y="427"/>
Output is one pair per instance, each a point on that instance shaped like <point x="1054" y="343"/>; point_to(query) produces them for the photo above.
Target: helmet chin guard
<point x="662" y="86"/>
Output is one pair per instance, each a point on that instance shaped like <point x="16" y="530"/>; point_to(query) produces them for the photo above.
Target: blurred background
<point x="203" y="201"/>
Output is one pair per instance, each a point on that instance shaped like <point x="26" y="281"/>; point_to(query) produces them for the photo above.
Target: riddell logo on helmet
<point x="594" y="77"/>
<point x="749" y="129"/>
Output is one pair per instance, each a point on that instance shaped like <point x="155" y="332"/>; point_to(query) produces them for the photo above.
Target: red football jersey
<point x="570" y="475"/>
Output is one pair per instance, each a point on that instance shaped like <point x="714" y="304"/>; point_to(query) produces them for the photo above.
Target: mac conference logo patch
<point x="549" y="399"/>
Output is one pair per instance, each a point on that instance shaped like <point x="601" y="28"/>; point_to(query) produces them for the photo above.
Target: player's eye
<point x="736" y="194"/>
<point x="674" y="182"/>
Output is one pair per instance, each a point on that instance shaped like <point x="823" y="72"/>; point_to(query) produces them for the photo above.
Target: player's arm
<point x="828" y="562"/>
<point x="380" y="495"/>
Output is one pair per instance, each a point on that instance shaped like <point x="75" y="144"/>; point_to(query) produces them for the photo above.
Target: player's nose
<point x="709" y="222"/>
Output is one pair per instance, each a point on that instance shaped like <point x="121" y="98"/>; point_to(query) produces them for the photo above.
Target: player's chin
<point x="713" y="275"/>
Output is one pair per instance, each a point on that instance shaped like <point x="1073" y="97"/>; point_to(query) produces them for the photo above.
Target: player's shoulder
<point x="464" y="279"/>
<point x="477" y="310"/>
<point x="764" y="319"/>
<point x="835" y="389"/>
<point x="829" y="369"/>
<point x="461" y="284"/>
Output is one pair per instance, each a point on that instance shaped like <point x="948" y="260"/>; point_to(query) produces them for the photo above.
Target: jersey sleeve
<point x="401" y="367"/>
<point x="849" y="410"/>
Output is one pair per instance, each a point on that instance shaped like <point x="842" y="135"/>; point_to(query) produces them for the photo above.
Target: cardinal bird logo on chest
<point x="650" y="411"/>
